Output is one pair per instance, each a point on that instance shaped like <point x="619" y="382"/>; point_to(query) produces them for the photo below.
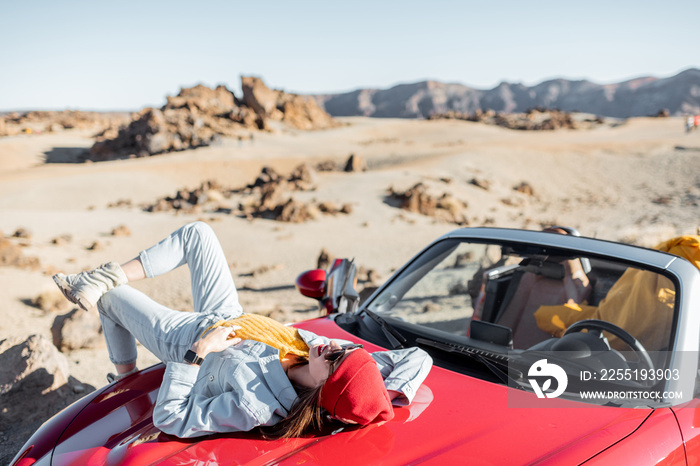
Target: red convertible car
<point x="547" y="348"/>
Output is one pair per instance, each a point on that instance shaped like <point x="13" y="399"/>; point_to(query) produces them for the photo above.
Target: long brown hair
<point x="305" y="415"/>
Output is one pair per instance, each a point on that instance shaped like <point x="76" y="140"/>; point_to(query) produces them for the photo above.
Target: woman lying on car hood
<point x="227" y="371"/>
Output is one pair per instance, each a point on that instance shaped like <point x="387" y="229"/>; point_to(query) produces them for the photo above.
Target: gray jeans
<point x="129" y="315"/>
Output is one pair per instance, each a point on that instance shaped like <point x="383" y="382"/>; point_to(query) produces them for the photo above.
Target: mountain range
<point x="644" y="96"/>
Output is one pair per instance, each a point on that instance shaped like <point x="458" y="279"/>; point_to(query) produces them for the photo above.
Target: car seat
<point x="534" y="284"/>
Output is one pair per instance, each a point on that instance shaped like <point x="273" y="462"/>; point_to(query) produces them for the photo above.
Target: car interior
<point x="472" y="305"/>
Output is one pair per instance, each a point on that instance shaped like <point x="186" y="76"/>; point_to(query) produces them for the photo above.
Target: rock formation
<point x="47" y="122"/>
<point x="77" y="329"/>
<point x="417" y="199"/>
<point x="270" y="196"/>
<point x="35" y="383"/>
<point x="198" y="116"/>
<point x="11" y="255"/>
<point x="297" y="111"/>
<point x="532" y="119"/>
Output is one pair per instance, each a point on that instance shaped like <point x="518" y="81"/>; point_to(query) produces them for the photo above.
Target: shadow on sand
<point x="66" y="155"/>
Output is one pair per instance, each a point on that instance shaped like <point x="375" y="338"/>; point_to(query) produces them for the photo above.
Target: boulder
<point x="11" y="255"/>
<point x="525" y="188"/>
<point x="324" y="259"/>
<point x="300" y="112"/>
<point x="303" y="177"/>
<point x="121" y="230"/>
<point x="77" y="329"/>
<point x="294" y="211"/>
<point x="481" y="183"/>
<point x="35" y="384"/>
<point x="33" y="365"/>
<point x="22" y="233"/>
<point x="51" y="301"/>
<point x="355" y="163"/>
<point x="417" y="199"/>
<point x="203" y="99"/>
<point x="62" y="240"/>
<point x="155" y="131"/>
<point x="267" y="175"/>
<point x="260" y="98"/>
<point x="199" y="115"/>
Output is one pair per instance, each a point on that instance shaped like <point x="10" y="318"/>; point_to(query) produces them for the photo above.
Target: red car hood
<point x="454" y="419"/>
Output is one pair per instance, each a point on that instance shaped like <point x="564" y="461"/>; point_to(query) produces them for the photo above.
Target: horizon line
<point x="4" y="112"/>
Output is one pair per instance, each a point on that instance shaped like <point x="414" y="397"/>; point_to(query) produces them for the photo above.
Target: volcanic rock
<point x="157" y="131"/>
<point x="199" y="115"/>
<point x="260" y="98"/>
<point x="535" y="119"/>
<point x="481" y="183"/>
<point x="355" y="163"/>
<point x="34" y="385"/>
<point x="298" y="111"/>
<point x="209" y="193"/>
<point x="51" y="301"/>
<point x="11" y="255"/>
<point x="62" y="240"/>
<point x="121" y="230"/>
<point x="22" y="233"/>
<point x="203" y="99"/>
<point x="31" y="365"/>
<point x="269" y="197"/>
<point x="525" y="188"/>
<point x="77" y="329"/>
<point x="418" y="200"/>
<point x="36" y="122"/>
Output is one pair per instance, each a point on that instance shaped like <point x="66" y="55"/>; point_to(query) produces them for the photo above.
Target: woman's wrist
<point x="199" y="349"/>
<point x="215" y="340"/>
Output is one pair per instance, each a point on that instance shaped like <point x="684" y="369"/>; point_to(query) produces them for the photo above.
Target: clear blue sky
<point x="131" y="54"/>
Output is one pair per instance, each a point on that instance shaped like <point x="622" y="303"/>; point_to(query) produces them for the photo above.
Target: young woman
<point x="227" y="371"/>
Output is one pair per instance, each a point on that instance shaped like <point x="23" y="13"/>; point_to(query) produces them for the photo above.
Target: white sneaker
<point x="86" y="288"/>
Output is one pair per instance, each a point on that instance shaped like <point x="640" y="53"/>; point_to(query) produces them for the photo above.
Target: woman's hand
<point x="215" y="340"/>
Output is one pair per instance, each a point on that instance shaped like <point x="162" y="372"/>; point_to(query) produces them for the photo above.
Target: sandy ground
<point x="637" y="183"/>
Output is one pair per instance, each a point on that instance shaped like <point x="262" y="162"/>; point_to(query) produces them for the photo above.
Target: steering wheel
<point x="601" y="325"/>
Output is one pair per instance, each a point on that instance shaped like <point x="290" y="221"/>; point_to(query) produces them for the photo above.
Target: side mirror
<point x="312" y="283"/>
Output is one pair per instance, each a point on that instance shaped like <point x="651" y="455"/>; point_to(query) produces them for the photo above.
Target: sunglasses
<point x="335" y="355"/>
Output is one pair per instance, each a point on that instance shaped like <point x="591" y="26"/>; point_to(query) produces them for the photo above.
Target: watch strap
<point x="193" y="358"/>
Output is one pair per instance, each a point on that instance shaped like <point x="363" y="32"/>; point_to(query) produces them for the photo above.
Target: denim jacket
<point x="245" y="386"/>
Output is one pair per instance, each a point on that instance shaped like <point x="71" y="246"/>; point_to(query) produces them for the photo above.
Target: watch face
<point x="192" y="358"/>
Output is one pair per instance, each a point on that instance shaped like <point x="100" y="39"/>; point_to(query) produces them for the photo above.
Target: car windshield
<point x="510" y="300"/>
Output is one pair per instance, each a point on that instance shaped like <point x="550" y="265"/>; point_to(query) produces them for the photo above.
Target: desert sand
<point x="636" y="182"/>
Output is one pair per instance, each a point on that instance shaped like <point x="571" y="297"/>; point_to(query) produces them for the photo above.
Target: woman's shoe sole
<point x="68" y="292"/>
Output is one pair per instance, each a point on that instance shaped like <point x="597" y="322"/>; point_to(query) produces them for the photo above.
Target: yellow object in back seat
<point x="640" y="302"/>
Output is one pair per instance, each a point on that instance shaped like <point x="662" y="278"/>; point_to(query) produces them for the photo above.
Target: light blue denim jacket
<point x="245" y="386"/>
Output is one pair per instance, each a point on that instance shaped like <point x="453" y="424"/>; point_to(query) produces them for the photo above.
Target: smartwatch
<point x="192" y="358"/>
